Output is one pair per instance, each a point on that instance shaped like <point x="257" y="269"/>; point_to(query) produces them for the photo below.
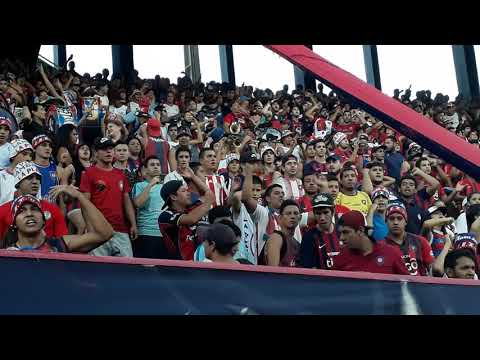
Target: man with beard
<point x="333" y="164"/>
<point x="27" y="181"/>
<point x="321" y="242"/>
<point x="407" y="194"/>
<point x="394" y="161"/>
<point x="349" y="196"/>
<point x="281" y="248"/>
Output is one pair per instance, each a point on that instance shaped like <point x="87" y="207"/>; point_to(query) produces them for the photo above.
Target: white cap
<point x="265" y="149"/>
<point x="18" y="145"/>
<point x="24" y="170"/>
<point x="339" y="137"/>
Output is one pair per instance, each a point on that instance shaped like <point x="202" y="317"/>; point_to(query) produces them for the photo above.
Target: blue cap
<point x="217" y="134"/>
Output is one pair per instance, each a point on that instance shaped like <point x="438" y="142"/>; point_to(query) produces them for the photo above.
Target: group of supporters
<point x="216" y="172"/>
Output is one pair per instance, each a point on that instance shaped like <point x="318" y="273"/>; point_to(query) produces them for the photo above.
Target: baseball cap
<point x="153" y="128"/>
<point x="24" y="170"/>
<point x="222" y="235"/>
<point x="183" y="131"/>
<point x="265" y="149"/>
<point x="288" y="157"/>
<point x="310" y="168"/>
<point x="20" y="201"/>
<point x="18" y="145"/>
<point x="230" y="157"/>
<point x="169" y="188"/>
<point x="6" y="122"/>
<point x="380" y="191"/>
<point x="339" y="137"/>
<point x="217" y="134"/>
<point x="142" y="114"/>
<point x="434" y="209"/>
<point x="333" y="157"/>
<point x="286" y="133"/>
<point x="40" y="139"/>
<point x="354" y="219"/>
<point x="323" y="200"/>
<point x="249" y="157"/>
<point x="380" y="146"/>
<point x="396" y="208"/>
<point x="103" y="143"/>
<point x="466" y="240"/>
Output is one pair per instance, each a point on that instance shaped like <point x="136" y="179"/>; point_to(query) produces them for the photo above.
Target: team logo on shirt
<point x="380" y="260"/>
<point x="48" y="215"/>
<point x="120" y="185"/>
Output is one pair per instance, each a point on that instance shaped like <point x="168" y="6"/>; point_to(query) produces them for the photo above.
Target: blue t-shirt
<point x="393" y="163"/>
<point x="380" y="228"/>
<point x="49" y="178"/>
<point x="147" y="215"/>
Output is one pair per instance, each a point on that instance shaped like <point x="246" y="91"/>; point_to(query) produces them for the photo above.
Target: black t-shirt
<point x="32" y="129"/>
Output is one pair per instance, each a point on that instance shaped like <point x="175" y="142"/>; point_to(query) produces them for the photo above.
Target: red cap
<point x="396" y="209"/>
<point x="153" y="128"/>
<point x="6" y="122"/>
<point x="354" y="219"/>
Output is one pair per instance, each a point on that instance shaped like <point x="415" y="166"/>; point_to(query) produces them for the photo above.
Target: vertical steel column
<point x="227" y="65"/>
<point x="466" y="70"/>
<point x="192" y="63"/>
<point x="60" y="55"/>
<point x="372" y="69"/>
<point x="122" y="62"/>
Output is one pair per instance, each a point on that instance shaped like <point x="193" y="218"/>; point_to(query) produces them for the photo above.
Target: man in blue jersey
<point x="43" y="147"/>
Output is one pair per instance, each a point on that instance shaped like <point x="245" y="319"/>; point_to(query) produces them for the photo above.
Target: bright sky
<point x="423" y="66"/>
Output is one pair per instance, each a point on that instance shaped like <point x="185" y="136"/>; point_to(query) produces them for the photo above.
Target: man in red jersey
<point x="361" y="253"/>
<point x="416" y="251"/>
<point x="108" y="189"/>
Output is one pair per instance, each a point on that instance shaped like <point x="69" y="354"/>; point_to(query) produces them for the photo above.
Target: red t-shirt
<point x="55" y="225"/>
<point x="107" y="189"/>
<point x="416" y="253"/>
<point x="384" y="259"/>
<point x="344" y="155"/>
<point x="350" y="130"/>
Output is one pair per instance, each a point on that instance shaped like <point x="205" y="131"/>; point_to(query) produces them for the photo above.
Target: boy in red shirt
<point x="108" y="189"/>
<point x="361" y="253"/>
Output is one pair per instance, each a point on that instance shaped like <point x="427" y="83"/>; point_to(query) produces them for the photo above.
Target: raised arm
<point x="102" y="230"/>
<point x="433" y="184"/>
<point x="247" y="199"/>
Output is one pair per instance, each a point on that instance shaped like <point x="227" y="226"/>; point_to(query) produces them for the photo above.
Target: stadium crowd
<point x="216" y="172"/>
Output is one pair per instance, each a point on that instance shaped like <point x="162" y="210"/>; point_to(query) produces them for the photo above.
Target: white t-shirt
<point x="461" y="224"/>
<point x="7" y="187"/>
<point x="174" y="175"/>
<point x="122" y="110"/>
<point x="248" y="247"/>
<point x="172" y="110"/>
<point x="103" y="100"/>
<point x="292" y="189"/>
<point x="133" y="106"/>
<point x="5" y="151"/>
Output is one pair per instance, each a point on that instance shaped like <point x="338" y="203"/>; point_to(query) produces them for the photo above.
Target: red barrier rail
<point x="233" y="267"/>
<point x="425" y="132"/>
